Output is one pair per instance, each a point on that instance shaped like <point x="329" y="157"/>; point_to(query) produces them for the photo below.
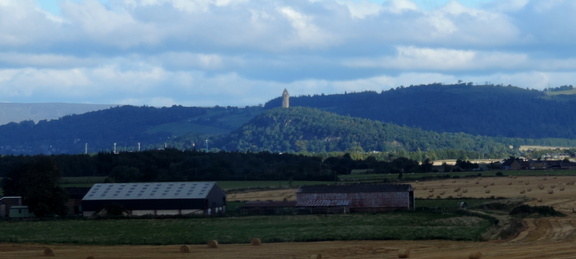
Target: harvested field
<point x="337" y="249"/>
<point x="543" y="237"/>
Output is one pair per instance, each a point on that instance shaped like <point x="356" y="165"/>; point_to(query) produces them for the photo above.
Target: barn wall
<point x="96" y="205"/>
<point x="216" y="201"/>
<point x="361" y="200"/>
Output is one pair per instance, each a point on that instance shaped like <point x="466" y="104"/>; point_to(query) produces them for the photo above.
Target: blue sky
<point x="245" y="52"/>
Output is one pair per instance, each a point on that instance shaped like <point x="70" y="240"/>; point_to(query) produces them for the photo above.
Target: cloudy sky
<point x="245" y="52"/>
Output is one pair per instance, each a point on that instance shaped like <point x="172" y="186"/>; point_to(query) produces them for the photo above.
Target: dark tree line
<point x="193" y="165"/>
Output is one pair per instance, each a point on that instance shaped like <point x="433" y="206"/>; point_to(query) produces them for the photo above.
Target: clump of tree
<point x="535" y="211"/>
<point x="38" y="183"/>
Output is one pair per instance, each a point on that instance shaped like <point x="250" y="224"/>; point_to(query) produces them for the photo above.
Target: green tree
<point x="426" y="166"/>
<point x="37" y="183"/>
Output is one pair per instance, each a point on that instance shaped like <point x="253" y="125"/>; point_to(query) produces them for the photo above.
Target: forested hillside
<point x="301" y="129"/>
<point x="484" y="121"/>
<point x="479" y="110"/>
<point x="126" y="126"/>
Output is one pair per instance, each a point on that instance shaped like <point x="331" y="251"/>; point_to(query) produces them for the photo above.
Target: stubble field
<point x="543" y="237"/>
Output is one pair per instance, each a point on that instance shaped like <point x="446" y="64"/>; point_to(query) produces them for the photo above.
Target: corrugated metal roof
<point x="147" y="191"/>
<point x="354" y="188"/>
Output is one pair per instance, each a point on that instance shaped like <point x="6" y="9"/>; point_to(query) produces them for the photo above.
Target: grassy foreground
<point x="300" y="228"/>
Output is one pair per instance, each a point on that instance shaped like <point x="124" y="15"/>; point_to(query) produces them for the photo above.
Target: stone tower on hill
<point x="285" y="99"/>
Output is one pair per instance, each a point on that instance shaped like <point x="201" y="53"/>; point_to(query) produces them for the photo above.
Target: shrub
<point x="527" y="210"/>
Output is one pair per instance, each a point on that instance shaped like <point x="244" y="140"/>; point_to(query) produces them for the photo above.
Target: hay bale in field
<point x="404" y="253"/>
<point x="185" y="249"/>
<point x="90" y="257"/>
<point x="48" y="252"/>
<point x="475" y="255"/>
<point x="550" y="191"/>
<point x="255" y="242"/>
<point x="213" y="244"/>
<point x="316" y="256"/>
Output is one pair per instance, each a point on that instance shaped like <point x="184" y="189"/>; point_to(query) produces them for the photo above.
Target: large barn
<point x="167" y="198"/>
<point x="358" y="197"/>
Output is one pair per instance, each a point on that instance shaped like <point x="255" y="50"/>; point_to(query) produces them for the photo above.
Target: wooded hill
<point x="498" y="111"/>
<point x="308" y="130"/>
<point x="482" y="119"/>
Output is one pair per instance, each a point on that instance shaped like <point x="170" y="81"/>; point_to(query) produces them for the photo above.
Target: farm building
<point x="358" y="197"/>
<point x="8" y="202"/>
<point x="169" y="198"/>
<point x="20" y="212"/>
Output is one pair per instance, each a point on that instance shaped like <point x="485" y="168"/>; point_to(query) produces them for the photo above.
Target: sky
<point x="246" y="52"/>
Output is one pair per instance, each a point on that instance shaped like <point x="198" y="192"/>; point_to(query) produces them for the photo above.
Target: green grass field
<point x="300" y="228"/>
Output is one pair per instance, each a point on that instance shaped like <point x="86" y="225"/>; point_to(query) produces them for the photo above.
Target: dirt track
<point x="544" y="237"/>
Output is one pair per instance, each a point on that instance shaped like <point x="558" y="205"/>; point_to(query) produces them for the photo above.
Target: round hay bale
<point x="90" y="257"/>
<point x="403" y="253"/>
<point x="213" y="244"/>
<point x="255" y="242"/>
<point x="316" y="256"/>
<point x="48" y="251"/>
<point x="184" y="249"/>
<point x="476" y="255"/>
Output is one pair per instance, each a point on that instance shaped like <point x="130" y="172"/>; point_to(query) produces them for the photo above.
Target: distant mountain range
<point x="17" y="112"/>
<point x="482" y="119"/>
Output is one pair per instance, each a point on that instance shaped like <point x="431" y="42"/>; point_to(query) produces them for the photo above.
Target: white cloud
<point x="246" y="52"/>
<point x="413" y="58"/>
<point x="399" y="6"/>
<point x="361" y="10"/>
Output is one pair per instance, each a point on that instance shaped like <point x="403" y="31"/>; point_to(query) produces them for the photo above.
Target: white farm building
<point x="162" y="198"/>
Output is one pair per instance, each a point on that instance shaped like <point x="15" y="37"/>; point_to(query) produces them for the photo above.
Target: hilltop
<point x="302" y="129"/>
<point x="498" y="111"/>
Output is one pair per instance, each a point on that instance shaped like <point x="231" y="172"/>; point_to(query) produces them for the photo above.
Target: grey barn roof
<point x="356" y="188"/>
<point x="149" y="191"/>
